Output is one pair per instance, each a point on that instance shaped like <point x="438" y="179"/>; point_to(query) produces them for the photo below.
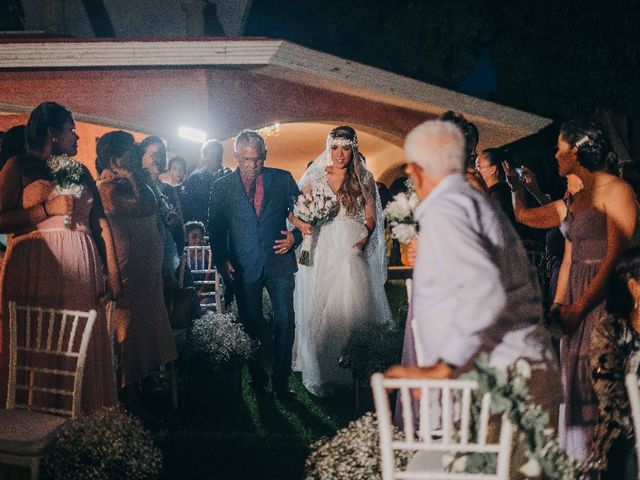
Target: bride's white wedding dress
<point x="334" y="296"/>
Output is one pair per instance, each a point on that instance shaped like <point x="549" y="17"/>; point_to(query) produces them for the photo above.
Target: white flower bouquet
<point x="218" y="340"/>
<point x="353" y="453"/>
<point x="66" y="175"/>
<point x="314" y="208"/>
<point x="399" y="214"/>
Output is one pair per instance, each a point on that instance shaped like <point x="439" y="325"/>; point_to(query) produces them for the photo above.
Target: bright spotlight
<point x="192" y="134"/>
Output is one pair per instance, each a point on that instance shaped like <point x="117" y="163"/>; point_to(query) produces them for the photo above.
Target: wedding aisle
<point x="258" y="437"/>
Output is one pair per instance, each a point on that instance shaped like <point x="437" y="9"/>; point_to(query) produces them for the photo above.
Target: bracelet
<point x="44" y="207"/>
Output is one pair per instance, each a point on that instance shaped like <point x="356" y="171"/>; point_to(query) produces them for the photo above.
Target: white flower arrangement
<point x="510" y="395"/>
<point x="352" y="454"/>
<point x="314" y="208"/>
<point x="219" y="340"/>
<point x="66" y="175"/>
<point x="400" y="216"/>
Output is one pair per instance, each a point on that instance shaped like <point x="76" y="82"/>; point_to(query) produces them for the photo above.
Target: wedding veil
<point x="375" y="250"/>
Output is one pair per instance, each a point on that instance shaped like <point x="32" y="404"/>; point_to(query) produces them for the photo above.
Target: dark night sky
<point x="557" y="58"/>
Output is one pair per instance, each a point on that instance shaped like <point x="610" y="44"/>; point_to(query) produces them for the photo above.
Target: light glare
<point x="192" y="134"/>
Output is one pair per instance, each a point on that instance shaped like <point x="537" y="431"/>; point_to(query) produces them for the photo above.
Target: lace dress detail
<point x="333" y="297"/>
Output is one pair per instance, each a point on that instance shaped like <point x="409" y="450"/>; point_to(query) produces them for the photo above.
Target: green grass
<point x="227" y="438"/>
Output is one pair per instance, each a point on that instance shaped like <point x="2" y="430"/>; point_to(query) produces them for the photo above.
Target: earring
<point x="54" y="139"/>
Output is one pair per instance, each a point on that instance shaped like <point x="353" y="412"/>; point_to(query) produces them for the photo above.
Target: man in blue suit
<point x="253" y="249"/>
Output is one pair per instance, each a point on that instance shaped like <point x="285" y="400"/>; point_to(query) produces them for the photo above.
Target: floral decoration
<point x="352" y="454"/>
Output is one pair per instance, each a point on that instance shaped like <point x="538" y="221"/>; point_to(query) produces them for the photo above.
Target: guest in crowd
<point x="175" y="175"/>
<point x="615" y="352"/>
<point x="60" y="247"/>
<point x="143" y="337"/>
<point x="14" y="143"/>
<point x="197" y="189"/>
<point x="470" y="132"/>
<point x="170" y="220"/>
<point x="176" y="171"/>
<point x="489" y="164"/>
<point x="599" y="223"/>
<point x="196" y="235"/>
<point x="474" y="289"/>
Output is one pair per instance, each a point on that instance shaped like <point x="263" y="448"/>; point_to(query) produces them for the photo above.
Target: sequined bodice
<point x="323" y="187"/>
<point x="344" y="215"/>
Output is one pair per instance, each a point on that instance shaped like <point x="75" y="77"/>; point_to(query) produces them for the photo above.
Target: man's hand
<point x="439" y="371"/>
<point x="229" y="270"/>
<point x="283" y="245"/>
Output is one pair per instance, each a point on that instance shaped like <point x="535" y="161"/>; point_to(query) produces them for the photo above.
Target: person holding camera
<point x="489" y="165"/>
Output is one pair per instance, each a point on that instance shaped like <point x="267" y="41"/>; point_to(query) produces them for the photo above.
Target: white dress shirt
<point x="474" y="289"/>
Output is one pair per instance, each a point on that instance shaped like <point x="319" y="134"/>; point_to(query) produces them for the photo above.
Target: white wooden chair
<point x="47" y="352"/>
<point x="633" y="391"/>
<point x="443" y="403"/>
<point x="206" y="277"/>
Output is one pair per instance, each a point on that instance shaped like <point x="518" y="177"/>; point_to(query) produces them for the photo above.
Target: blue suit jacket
<point x="238" y="234"/>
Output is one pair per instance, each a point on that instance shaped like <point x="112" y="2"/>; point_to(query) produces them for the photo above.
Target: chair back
<point x="633" y="391"/>
<point x="445" y="425"/>
<point x="47" y="352"/>
<point x="205" y="277"/>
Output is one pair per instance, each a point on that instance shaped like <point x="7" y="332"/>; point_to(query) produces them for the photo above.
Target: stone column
<point x="54" y="16"/>
<point x="194" y="17"/>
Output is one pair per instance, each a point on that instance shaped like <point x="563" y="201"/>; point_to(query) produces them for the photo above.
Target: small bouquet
<point x="66" y="175"/>
<point x="219" y="341"/>
<point x="314" y="208"/>
<point x="399" y="214"/>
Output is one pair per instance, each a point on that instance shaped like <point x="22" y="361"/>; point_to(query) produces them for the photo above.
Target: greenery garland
<point x="510" y="395"/>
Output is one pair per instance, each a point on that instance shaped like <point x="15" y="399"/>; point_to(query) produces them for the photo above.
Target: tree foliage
<point x="558" y="58"/>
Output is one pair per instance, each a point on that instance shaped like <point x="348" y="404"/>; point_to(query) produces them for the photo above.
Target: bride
<point x="343" y="288"/>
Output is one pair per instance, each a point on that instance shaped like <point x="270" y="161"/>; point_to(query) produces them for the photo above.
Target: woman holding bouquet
<point x="61" y="243"/>
<point x="343" y="287"/>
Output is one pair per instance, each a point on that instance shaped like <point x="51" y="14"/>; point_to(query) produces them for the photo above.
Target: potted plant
<point x="370" y="348"/>
<point x="353" y="453"/>
<point x="217" y="348"/>
<point x="105" y="445"/>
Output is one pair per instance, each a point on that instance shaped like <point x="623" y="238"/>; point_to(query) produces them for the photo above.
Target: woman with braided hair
<point x="599" y="224"/>
<point x="343" y="289"/>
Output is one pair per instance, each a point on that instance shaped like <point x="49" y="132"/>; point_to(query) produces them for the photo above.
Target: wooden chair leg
<point x="35" y="468"/>
<point x="174" y="385"/>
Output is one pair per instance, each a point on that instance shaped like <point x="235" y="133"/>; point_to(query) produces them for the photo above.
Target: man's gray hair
<point x="252" y="139"/>
<point x="212" y="145"/>
<point x="437" y="146"/>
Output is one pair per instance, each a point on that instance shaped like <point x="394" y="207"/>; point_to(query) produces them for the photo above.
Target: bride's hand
<point x="304" y="227"/>
<point x="361" y="244"/>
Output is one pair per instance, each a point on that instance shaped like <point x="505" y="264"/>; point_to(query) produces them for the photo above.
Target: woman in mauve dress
<point x="599" y="223"/>
<point x="61" y="252"/>
<point x="143" y="336"/>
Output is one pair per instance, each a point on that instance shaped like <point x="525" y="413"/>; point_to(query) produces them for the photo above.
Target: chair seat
<point x="426" y="461"/>
<point x="28" y="433"/>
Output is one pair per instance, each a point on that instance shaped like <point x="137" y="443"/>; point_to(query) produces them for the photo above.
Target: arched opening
<point x="292" y="146"/>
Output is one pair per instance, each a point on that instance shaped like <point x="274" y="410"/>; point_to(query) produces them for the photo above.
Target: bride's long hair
<point x="350" y="192"/>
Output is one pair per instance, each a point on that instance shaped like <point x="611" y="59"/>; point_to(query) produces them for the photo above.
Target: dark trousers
<point x="249" y="295"/>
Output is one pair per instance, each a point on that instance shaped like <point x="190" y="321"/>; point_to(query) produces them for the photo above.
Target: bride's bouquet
<point x="314" y="208"/>
<point x="399" y="214"/>
<point x="66" y="175"/>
